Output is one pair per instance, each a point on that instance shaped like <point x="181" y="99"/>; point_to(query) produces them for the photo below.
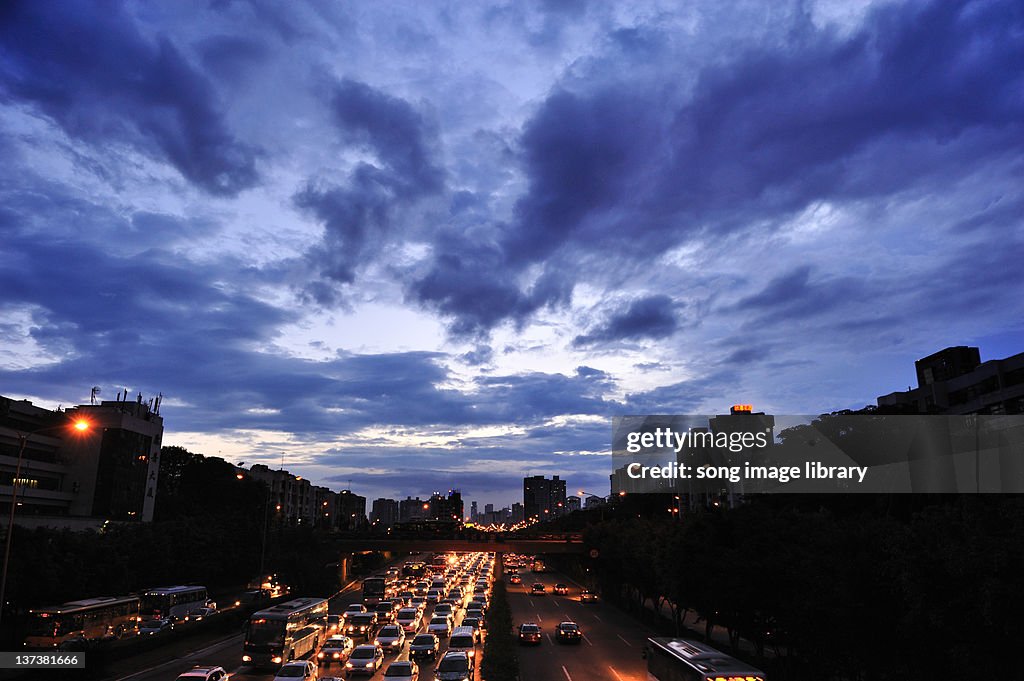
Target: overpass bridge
<point x="492" y="543"/>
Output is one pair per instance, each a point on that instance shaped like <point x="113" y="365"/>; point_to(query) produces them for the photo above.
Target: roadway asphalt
<point x="612" y="642"/>
<point x="611" y="648"/>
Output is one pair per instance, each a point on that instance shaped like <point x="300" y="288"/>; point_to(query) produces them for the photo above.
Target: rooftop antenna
<point x="93" y="393"/>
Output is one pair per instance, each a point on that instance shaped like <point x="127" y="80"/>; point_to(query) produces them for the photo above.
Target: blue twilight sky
<point x="423" y="245"/>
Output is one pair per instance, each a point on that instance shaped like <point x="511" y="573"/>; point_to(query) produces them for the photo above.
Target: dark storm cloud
<point x="782" y="128"/>
<point x="229" y="57"/>
<point x="650" y="317"/>
<point x="359" y="216"/>
<point x="393" y="130"/>
<point x="89" y="69"/>
<point x="162" y="322"/>
<point x="617" y="165"/>
<point x="472" y="286"/>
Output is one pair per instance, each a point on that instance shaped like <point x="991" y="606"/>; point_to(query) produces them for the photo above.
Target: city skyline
<point x="433" y="247"/>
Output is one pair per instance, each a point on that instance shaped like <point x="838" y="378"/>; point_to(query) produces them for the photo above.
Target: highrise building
<point x="384" y="513"/>
<point x="543" y="498"/>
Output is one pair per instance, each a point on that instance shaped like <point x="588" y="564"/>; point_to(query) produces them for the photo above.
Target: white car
<point x="391" y="638"/>
<point x="302" y="670"/>
<point x="204" y="674"/>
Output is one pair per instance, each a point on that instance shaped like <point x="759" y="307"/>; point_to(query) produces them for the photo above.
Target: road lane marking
<point x="549" y="639"/>
<point x="586" y="639"/>
<point x="625" y="641"/>
<point x="566" y="673"/>
<point x="598" y="618"/>
<point x="615" y="672"/>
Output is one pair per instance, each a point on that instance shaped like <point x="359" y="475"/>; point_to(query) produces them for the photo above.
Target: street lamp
<point x="603" y="499"/>
<point x="80" y="425"/>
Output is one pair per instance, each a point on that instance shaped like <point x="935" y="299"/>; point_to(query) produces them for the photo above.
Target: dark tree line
<point x="835" y="588"/>
<point x="208" y="529"/>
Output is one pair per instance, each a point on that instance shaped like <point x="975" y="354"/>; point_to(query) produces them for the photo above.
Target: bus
<point x="172" y="602"/>
<point x="285" y="632"/>
<point x="676" y="659"/>
<point x="91" y="619"/>
<point x="375" y="590"/>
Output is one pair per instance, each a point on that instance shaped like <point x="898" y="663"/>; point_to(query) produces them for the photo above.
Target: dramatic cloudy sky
<point x="423" y="245"/>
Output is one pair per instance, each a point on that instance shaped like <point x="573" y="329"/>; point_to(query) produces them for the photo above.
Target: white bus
<point x="675" y="659"/>
<point x="172" y="602"/>
<point x="285" y="632"/>
<point x="92" y="619"/>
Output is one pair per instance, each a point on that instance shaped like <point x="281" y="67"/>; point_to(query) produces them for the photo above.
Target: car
<point x="354" y="609"/>
<point x="151" y="627"/>
<point x="568" y="632"/>
<point x="335" y="649"/>
<point x="334" y="623"/>
<point x="444" y="609"/>
<point x="587" y="596"/>
<point x="424" y="645"/>
<point x="365" y="659"/>
<point x="474" y="610"/>
<point x="515" y="579"/>
<point x="440" y="625"/>
<point x="391" y="638"/>
<point x="538" y="589"/>
<point x="197" y="614"/>
<point x="385" y="612"/>
<point x="402" y="670"/>
<point x="409" y="619"/>
<point x="304" y="670"/>
<point x="433" y="596"/>
<point x="363" y="625"/>
<point x="204" y="673"/>
<point x="477" y="624"/>
<point x="561" y="589"/>
<point x="454" y="666"/>
<point x="529" y="633"/>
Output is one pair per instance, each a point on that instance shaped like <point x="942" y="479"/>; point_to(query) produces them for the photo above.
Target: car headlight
<point x="246" y="658"/>
<point x="276" y="660"/>
<point x="348" y="665"/>
<point x="369" y="664"/>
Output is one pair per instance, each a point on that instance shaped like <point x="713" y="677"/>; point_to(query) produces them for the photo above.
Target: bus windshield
<point x="265" y="633"/>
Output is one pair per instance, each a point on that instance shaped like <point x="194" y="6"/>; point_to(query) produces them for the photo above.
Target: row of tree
<point x="500" y="656"/>
<point x="863" y="589"/>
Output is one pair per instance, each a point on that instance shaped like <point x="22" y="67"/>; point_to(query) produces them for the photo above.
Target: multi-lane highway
<point x="612" y="643"/>
<point x="611" y="647"/>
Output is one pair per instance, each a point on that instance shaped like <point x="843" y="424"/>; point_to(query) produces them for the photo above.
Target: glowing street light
<point x="81" y="426"/>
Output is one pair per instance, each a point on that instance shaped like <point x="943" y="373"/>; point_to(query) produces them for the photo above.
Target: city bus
<point x="285" y="632"/>
<point x="676" y="659"/>
<point x="172" y="602"/>
<point x="91" y="619"/>
<point x="375" y="590"/>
